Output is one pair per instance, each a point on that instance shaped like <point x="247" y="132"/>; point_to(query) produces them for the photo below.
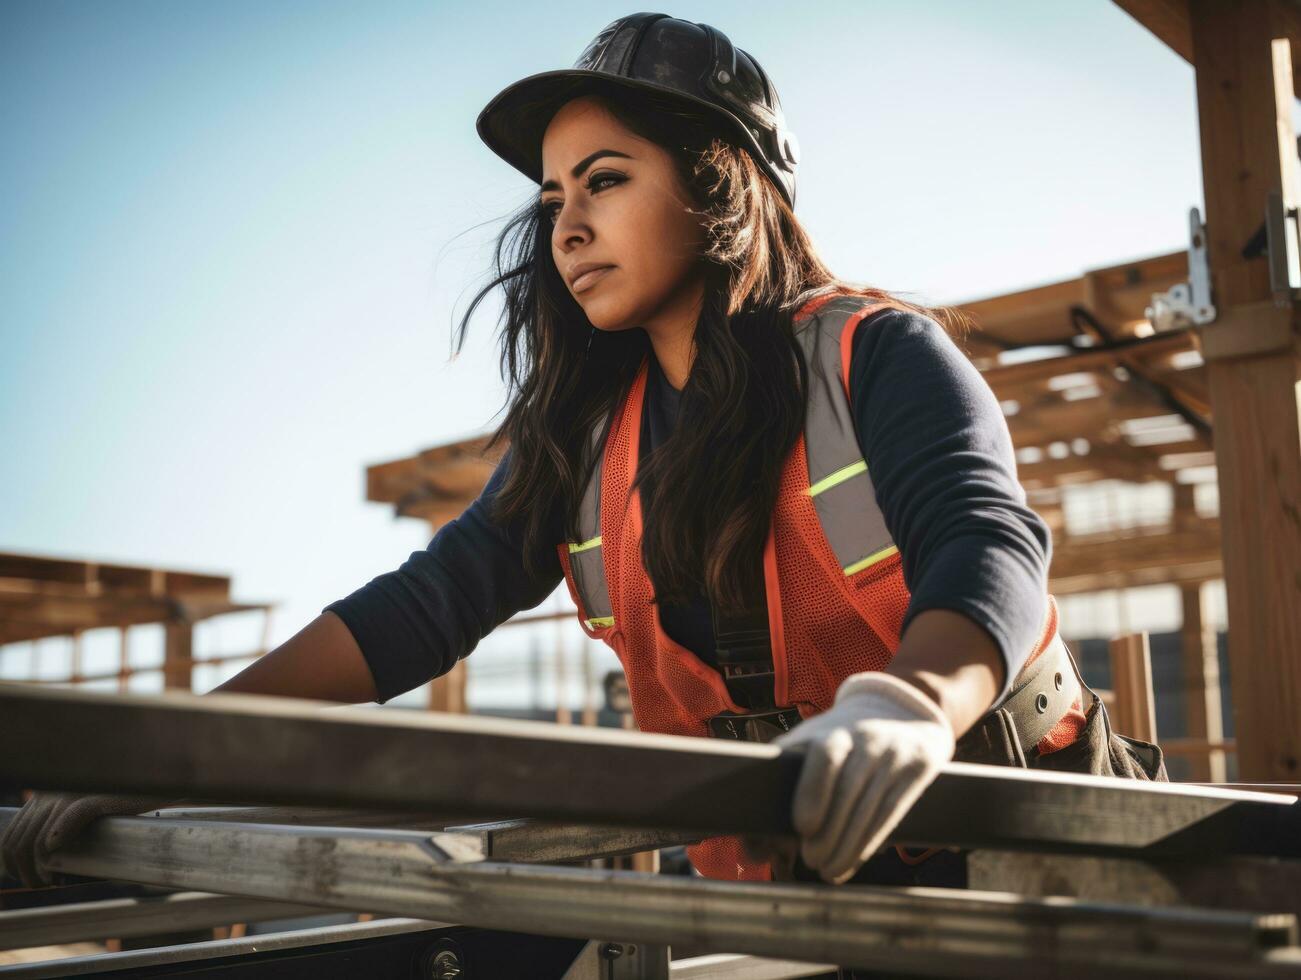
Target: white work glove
<point x="869" y="756"/>
<point x="49" y="820"/>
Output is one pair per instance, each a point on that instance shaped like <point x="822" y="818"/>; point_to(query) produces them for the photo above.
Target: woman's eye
<point x="597" y="183"/>
<point x="601" y="179"/>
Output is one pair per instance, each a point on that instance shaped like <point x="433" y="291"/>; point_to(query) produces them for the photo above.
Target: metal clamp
<point x="1187" y="303"/>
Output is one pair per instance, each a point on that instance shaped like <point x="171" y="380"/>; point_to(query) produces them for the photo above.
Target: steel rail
<point x="711" y="967"/>
<point x="443" y="877"/>
<point x="118" y="964"/>
<point x="121" y="918"/>
<point x="293" y="752"/>
<point x="505" y="840"/>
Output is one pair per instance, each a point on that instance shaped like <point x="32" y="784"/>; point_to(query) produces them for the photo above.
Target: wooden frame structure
<point x="1242" y="55"/>
<point x="44" y="597"/>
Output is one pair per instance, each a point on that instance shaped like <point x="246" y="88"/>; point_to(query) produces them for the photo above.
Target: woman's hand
<point x="868" y="759"/>
<point x="49" y="820"/>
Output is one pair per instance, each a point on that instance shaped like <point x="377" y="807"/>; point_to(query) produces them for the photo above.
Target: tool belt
<point x="1044" y="691"/>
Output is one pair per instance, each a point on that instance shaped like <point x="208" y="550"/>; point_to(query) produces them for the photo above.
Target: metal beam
<point x="125" y="917"/>
<point x="1245" y="883"/>
<point x="531" y="841"/>
<point x="442" y="877"/>
<point x="130" y="962"/>
<point x="306" y="816"/>
<point x="293" y="752"/>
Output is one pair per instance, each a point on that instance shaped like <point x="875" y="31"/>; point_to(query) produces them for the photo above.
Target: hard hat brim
<point x="513" y="123"/>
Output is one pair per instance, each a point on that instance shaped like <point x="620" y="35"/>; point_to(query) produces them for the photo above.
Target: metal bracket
<point x="600" y="960"/>
<point x="1187" y="303"/>
<point x="1281" y="249"/>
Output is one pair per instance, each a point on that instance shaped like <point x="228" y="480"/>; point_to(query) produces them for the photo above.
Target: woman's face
<point x="616" y="201"/>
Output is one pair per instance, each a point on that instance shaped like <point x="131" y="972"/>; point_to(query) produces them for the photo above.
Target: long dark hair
<point x="742" y="408"/>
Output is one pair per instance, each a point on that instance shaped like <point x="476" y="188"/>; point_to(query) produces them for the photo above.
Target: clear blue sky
<point x="235" y="235"/>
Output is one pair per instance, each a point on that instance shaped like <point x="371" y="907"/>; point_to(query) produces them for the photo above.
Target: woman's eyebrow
<point x="582" y="166"/>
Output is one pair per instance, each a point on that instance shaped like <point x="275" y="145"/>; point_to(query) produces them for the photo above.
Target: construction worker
<point x="789" y="503"/>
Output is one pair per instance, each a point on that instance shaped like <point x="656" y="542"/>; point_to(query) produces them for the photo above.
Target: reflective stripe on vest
<point x="839" y="483"/>
<point x="586" y="562"/>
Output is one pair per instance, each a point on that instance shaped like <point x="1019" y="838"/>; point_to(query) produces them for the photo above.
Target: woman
<point x="695" y="402"/>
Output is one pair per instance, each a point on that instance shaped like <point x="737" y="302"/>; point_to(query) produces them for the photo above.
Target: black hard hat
<point x="657" y="53"/>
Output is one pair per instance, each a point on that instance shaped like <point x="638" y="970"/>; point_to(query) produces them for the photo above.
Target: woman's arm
<point x="415" y="622"/>
<point x="412" y="624"/>
<point x="320" y="661"/>
<point x="953" y="662"/>
<point x="975" y="561"/>
<point x="975" y="556"/>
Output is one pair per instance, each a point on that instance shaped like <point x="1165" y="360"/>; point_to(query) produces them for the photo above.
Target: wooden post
<point x="1131" y="683"/>
<point x="178" y="654"/>
<point x="123" y="660"/>
<point x="1200" y="662"/>
<point x="1201" y="669"/>
<point x="447" y="693"/>
<point x="74" y="674"/>
<point x="1202" y="703"/>
<point x="1245" y="93"/>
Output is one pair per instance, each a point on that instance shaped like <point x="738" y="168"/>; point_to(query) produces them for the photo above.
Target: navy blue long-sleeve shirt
<point x="945" y="477"/>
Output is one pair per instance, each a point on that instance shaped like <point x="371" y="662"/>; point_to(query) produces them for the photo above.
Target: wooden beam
<point x="1116" y="296"/>
<point x="97" y="578"/>
<point x="1167" y="19"/>
<point x="28" y="616"/>
<point x="1052" y="418"/>
<point x="1245" y="88"/>
<point x="1162" y="344"/>
<point x="455" y="468"/>
<point x="1104" y="580"/>
<point x="1098" y="464"/>
<point x="1171" y="22"/>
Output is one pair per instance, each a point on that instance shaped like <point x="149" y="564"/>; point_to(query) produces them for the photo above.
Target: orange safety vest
<point x="833" y="576"/>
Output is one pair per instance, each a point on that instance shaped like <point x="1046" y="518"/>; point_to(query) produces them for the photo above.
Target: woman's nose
<point x="571" y="228"/>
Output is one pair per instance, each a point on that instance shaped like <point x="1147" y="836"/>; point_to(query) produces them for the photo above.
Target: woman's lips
<point x="589" y="279"/>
